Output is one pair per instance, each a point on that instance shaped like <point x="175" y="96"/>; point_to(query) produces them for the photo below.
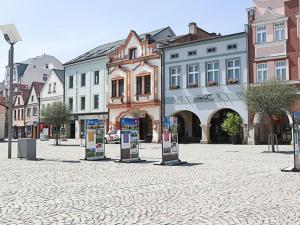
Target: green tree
<point x="271" y="98"/>
<point x="232" y="124"/>
<point x="56" y="114"/>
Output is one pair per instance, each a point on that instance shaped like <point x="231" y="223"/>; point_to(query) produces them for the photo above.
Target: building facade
<point x="3" y="108"/>
<point x="52" y="91"/>
<point x="86" y="87"/>
<point x="19" y="113"/>
<point x="204" y="78"/>
<point x="134" y="81"/>
<point x="32" y="108"/>
<point x="273" y="55"/>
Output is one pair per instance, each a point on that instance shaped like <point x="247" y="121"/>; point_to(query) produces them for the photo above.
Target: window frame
<point x="96" y="74"/>
<point x="279" y="28"/>
<point x="177" y="78"/>
<point x="195" y="75"/>
<point x="143" y="84"/>
<point x="82" y="108"/>
<point x="281" y="68"/>
<point x="216" y="78"/>
<point x="234" y="68"/>
<point x="83" y="84"/>
<point x="98" y="101"/>
<point x="261" y="70"/>
<point x="69" y="81"/>
<point x="261" y="34"/>
<point x="70" y="105"/>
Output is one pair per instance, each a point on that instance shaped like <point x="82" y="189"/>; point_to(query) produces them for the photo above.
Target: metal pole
<point x="10" y="97"/>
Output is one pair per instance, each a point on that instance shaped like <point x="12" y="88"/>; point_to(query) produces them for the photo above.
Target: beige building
<point x="134" y="82"/>
<point x="19" y="113"/>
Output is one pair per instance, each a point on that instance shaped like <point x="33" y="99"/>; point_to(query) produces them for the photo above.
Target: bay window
<point x="279" y="31"/>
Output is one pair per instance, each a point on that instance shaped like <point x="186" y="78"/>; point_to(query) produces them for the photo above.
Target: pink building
<point x="273" y="55"/>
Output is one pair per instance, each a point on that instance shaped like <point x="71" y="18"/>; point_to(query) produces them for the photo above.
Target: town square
<point x="221" y="185"/>
<point x="162" y="112"/>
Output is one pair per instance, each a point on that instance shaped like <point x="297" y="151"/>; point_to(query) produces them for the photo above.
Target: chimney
<point x="193" y="28"/>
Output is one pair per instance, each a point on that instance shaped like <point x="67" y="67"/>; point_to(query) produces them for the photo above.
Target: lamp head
<point x="10" y="33"/>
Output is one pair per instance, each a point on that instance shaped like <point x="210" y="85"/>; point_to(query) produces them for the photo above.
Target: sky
<point x="68" y="28"/>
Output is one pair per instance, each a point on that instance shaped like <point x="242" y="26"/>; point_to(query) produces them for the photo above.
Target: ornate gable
<point x="270" y="15"/>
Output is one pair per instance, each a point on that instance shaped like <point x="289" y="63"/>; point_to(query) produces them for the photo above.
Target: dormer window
<point x="32" y="97"/>
<point x="261" y="35"/>
<point x="132" y="53"/>
<point x="279" y="31"/>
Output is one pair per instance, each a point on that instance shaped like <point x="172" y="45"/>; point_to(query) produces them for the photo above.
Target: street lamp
<point x="11" y="36"/>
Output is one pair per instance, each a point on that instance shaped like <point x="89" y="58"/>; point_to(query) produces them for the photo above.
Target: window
<point x="18" y="100"/>
<point x="281" y="70"/>
<point x="15" y="114"/>
<point x="82" y="103"/>
<point x="34" y="111"/>
<point x="139" y="85"/>
<point x="114" y="88"/>
<point x="261" y="35"/>
<point x="32" y="98"/>
<point x="121" y="87"/>
<point x="54" y="87"/>
<point x="262" y="72"/>
<point x="132" y="53"/>
<point x="147" y="82"/>
<point x="22" y="114"/>
<point x="232" y="46"/>
<point x="82" y="80"/>
<point x="18" y="114"/>
<point x="233" y="71"/>
<point x="96" y="101"/>
<point x="174" y="56"/>
<point x="212" y="73"/>
<point x="71" y="81"/>
<point x="211" y="50"/>
<point x="28" y="112"/>
<point x="45" y="76"/>
<point x="143" y="85"/>
<point x="192" y="53"/>
<point x="279" y="31"/>
<point x="49" y="88"/>
<point x="175" y="77"/>
<point x="193" y="76"/>
<point x="71" y="103"/>
<point x="96" y="77"/>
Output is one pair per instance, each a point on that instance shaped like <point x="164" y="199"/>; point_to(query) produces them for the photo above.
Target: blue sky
<point x="68" y="28"/>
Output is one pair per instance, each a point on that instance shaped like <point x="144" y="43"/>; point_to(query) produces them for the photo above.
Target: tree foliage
<point x="270" y="97"/>
<point x="56" y="114"/>
<point x="232" y="124"/>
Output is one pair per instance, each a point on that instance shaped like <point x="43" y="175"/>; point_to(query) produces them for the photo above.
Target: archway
<point x="282" y="129"/>
<point x="189" y="129"/>
<point x="146" y="130"/>
<point x="217" y="135"/>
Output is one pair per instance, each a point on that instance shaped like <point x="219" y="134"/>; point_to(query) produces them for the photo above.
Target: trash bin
<point x="27" y="148"/>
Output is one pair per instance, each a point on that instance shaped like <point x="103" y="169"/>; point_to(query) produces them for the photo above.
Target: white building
<point x="32" y="70"/>
<point x="204" y="80"/>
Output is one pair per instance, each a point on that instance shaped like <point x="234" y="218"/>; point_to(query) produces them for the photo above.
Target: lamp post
<point x="11" y="36"/>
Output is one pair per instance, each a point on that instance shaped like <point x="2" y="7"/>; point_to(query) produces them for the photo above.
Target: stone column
<point x="205" y="134"/>
<point x="245" y="134"/>
<point x="251" y="135"/>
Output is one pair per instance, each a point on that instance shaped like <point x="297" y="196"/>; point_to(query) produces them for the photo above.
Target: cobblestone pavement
<point x="224" y="184"/>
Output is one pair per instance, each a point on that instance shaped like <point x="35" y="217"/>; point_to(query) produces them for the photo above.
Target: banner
<point x="170" y="139"/>
<point x="296" y="129"/>
<point x="129" y="139"/>
<point x="95" y="148"/>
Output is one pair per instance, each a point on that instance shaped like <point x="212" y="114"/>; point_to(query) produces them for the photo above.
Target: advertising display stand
<point x="95" y="147"/>
<point x="170" y="146"/>
<point x="129" y="145"/>
<point x="296" y="133"/>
